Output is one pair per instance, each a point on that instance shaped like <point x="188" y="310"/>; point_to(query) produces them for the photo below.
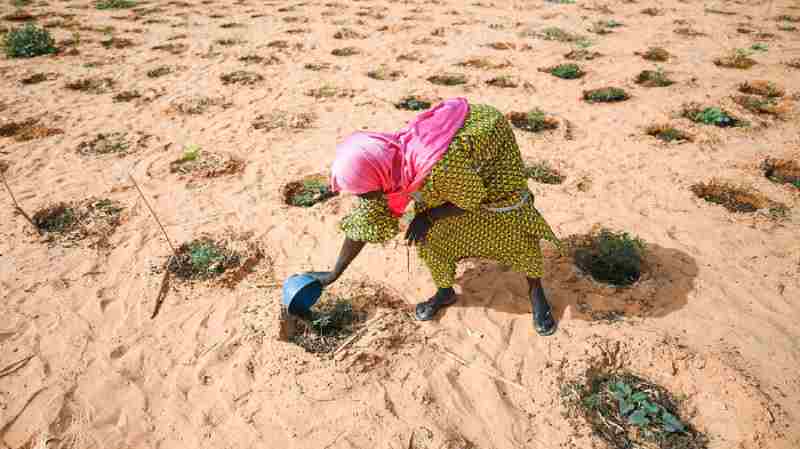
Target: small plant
<point x="710" y="116"/>
<point x="308" y="192"/>
<point x="28" y="41"/>
<point x="91" y="85"/>
<point x="116" y="43"/>
<point x="761" y="105"/>
<point x="667" y="133"/>
<point x="413" y="104"/>
<point x="21" y="3"/>
<point x="448" y="79"/>
<point x="653" y="78"/>
<point x="203" y="259"/>
<point x="108" y="143"/>
<point x="652" y="12"/>
<point x="190" y="154"/>
<point x="738" y="59"/>
<point x="609" y="257"/>
<point x="114" y="4"/>
<point x="733" y="198"/>
<point x="346" y="51"/>
<point x="57" y="218"/>
<point x="27" y="130"/>
<point x="543" y="173"/>
<point x="284" y="120"/>
<point x="503" y="81"/>
<point x="582" y="55"/>
<point x="242" y="77"/>
<point x="565" y="71"/>
<point x="484" y="63"/>
<point x="558" y="34"/>
<point x="160" y="71"/>
<point x="322" y="330"/>
<point x="782" y="171"/>
<point x="347" y="33"/>
<point x="759" y="46"/>
<point x="383" y="73"/>
<point x="605" y="26"/>
<point x="534" y="121"/>
<point x="605" y="95"/>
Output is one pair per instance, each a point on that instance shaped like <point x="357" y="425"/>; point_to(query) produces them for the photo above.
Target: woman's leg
<point x="543" y="320"/>
<point x="426" y="311"/>
<point x="443" y="271"/>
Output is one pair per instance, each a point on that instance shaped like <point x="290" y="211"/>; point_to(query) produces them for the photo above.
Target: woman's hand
<point x="418" y="229"/>
<point x="324" y="277"/>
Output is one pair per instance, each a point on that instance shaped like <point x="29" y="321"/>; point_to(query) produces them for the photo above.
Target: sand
<point x="83" y="365"/>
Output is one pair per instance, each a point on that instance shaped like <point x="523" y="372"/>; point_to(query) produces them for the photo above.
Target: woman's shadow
<point x="667" y="279"/>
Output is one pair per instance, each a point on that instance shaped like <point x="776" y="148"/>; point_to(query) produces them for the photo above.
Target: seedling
<point x="28" y="41"/>
<point x="534" y="121"/>
<point x="609" y="257"/>
<point x="347" y="33"/>
<point x="241" y="77"/>
<point x="761" y="105"/>
<point x="628" y="411"/>
<point x="565" y="71"/>
<point x="734" y="198"/>
<point x="383" y="73"/>
<point x="667" y="133"/>
<point x="91" y="85"/>
<point x="652" y="12"/>
<point x="763" y="88"/>
<point x="203" y="164"/>
<point x="604" y="26"/>
<point x="202" y="259"/>
<point x="27" y="130"/>
<point x="95" y="219"/>
<point x="412" y="103"/>
<point x="115" y="4"/>
<point x="57" y="218"/>
<point x="605" y="95"/>
<point x="346" y="51"/>
<point x="307" y="192"/>
<point x="448" y="79"/>
<point x="710" y="116"/>
<point x="284" y="120"/>
<point x="160" y="71"/>
<point x="102" y="144"/>
<point x="738" y="59"/>
<point x="542" y="172"/>
<point x="582" y="55"/>
<point x="190" y="154"/>
<point x="117" y="43"/>
<point x="759" y="46"/>
<point x="503" y="81"/>
<point x="653" y="78"/>
<point x="782" y="171"/>
<point x="484" y="63"/>
<point x="327" y="326"/>
<point x="558" y="34"/>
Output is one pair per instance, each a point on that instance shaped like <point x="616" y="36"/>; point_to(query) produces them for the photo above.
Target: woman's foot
<point x="543" y="320"/>
<point x="427" y="310"/>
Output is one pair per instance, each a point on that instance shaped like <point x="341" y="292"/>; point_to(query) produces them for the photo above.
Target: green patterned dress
<point x="482" y="172"/>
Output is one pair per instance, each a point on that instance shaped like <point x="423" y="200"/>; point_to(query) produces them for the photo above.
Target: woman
<point x="461" y="165"/>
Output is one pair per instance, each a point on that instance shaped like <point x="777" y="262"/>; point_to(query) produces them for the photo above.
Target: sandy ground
<point x="84" y="366"/>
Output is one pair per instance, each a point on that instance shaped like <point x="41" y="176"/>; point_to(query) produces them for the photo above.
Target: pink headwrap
<point x="397" y="164"/>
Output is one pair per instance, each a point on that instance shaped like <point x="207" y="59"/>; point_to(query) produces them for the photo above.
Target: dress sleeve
<point x="455" y="179"/>
<point x="370" y="221"/>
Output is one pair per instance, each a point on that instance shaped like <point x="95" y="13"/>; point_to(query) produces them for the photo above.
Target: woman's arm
<point x="421" y="224"/>
<point x="349" y="251"/>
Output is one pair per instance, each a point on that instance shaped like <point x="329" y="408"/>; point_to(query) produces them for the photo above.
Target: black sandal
<point x="426" y="311"/>
<point x="544" y="323"/>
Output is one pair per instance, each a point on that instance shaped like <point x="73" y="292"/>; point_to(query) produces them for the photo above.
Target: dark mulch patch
<point x="326" y="327"/>
<point x="37" y="78"/>
<point x="346" y="51"/>
<point x="734" y="198"/>
<point x="91" y="85"/>
<point x="484" y="63"/>
<point x="413" y="103"/>
<point x="27" y="130"/>
<point x="605" y="95"/>
<point x="203" y="258"/>
<point x="385" y="74"/>
<point x="736" y="60"/>
<point x="653" y="78"/>
<point x="448" y="79"/>
<point x="763" y="105"/>
<point x="284" y="120"/>
<point x="543" y="173"/>
<point x="241" y="77"/>
<point x="668" y="133"/>
<point x="627" y="411"/>
<point x="307" y="192"/>
<point x="119" y="143"/>
<point x="609" y="257"/>
<point x="117" y="43"/>
<point x="94" y="219"/>
<point x="203" y="164"/>
<point x="761" y="87"/>
<point x="565" y="71"/>
<point x="506" y="82"/>
<point x="534" y="121"/>
<point x="582" y="55"/>
<point x="175" y="48"/>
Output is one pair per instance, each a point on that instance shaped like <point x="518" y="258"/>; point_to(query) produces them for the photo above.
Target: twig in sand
<point x="16" y="205"/>
<point x="152" y="212"/>
<point x="482" y="369"/>
<point x="14" y="367"/>
<point x="162" y="291"/>
<point x="358" y="334"/>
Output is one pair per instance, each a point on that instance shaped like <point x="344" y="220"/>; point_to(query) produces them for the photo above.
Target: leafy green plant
<point x="759" y="46"/>
<point x="667" y="133"/>
<point x="28" y="41"/>
<point x="605" y="95"/>
<point x="566" y="71"/>
<point x="710" y="116"/>
<point x="57" y="218"/>
<point x="21" y="3"/>
<point x="543" y="173"/>
<point x="614" y="258"/>
<point x="640" y="411"/>
<point x="114" y="4"/>
<point x="202" y="258"/>
<point x="534" y="120"/>
<point x="331" y="321"/>
<point x="413" y="104"/>
<point x="190" y="153"/>
<point x="785" y="171"/>
<point x="654" y="78"/>
<point x="311" y="192"/>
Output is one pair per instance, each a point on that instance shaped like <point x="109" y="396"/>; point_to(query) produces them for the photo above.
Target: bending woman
<point x="461" y="166"/>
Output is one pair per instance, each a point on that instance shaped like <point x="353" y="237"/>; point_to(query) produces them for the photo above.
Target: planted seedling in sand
<point x="307" y="192"/>
<point x="762" y="105"/>
<point x="543" y="173"/>
<point x="734" y="198"/>
<point x="763" y="88"/>
<point x="653" y="78"/>
<point x="782" y="171"/>
<point x="346" y="51"/>
<point x="203" y="164"/>
<point x="710" y="116"/>
<point x="28" y="41"/>
<point x="109" y="143"/>
<point x="503" y="81"/>
<point x="534" y="121"/>
<point x="667" y="133"/>
<point x="557" y="34"/>
<point x="347" y="33"/>
<point x="327" y="326"/>
<point x="484" y="63"/>
<point x="565" y="71"/>
<point x="656" y="54"/>
<point x="383" y="73"/>
<point x="284" y="120"/>
<point x="203" y="259"/>
<point x="605" y="95"/>
<point x="609" y="257"/>
<point x="448" y="79"/>
<point x="95" y="219"/>
<point x="91" y="85"/>
<point x="627" y="411"/>
<point x="759" y="46"/>
<point x="27" y="130"/>
<point x="117" y="43"/>
<point x="738" y="59"/>
<point x="605" y="26"/>
<point x="241" y="77"/>
<point x="413" y="103"/>
<point x="115" y="4"/>
<point x="582" y="55"/>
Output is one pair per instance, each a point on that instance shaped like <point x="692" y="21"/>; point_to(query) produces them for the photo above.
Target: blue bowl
<point x="300" y="292"/>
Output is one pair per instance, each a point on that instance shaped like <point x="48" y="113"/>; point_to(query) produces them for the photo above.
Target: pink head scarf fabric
<point x="397" y="164"/>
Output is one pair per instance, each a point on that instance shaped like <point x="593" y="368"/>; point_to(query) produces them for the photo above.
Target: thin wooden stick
<point x="163" y="289"/>
<point x="152" y="212"/>
<point x="16" y="204"/>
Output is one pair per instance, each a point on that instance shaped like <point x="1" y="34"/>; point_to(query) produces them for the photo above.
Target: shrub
<point x="605" y="95"/>
<point x="28" y="41"/>
<point x="566" y="71"/>
<point x="534" y="121"/>
<point x="614" y="258"/>
<point x="115" y="4"/>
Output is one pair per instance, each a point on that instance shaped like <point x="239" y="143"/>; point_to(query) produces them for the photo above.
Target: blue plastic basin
<point x="300" y="292"/>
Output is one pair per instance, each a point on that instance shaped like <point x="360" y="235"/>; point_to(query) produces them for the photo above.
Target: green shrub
<point x="534" y="121"/>
<point x="28" y="41"/>
<point x="58" y="218"/>
<point x="567" y="71"/>
<point x="605" y="95"/>
<point x="115" y="4"/>
<point x="710" y="116"/>
<point x="202" y="259"/>
<point x="614" y="258"/>
<point x="312" y="192"/>
<point x="413" y="104"/>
